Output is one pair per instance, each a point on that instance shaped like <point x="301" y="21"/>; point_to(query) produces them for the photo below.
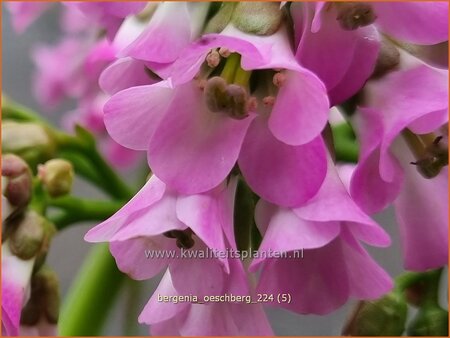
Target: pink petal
<point x="124" y="73"/>
<point x="167" y="34"/>
<point x="301" y="109"/>
<point x="185" y="68"/>
<point x="193" y="149"/>
<point x="130" y="255"/>
<point x="297" y="170"/>
<point x="342" y="59"/>
<point x="422" y="213"/>
<point x="16" y="275"/>
<point x="139" y="109"/>
<point x="333" y="203"/>
<point x="204" y="214"/>
<point x="149" y="194"/>
<point x="318" y="281"/>
<point x="419" y="22"/>
<point x="369" y="189"/>
<point x="153" y="220"/>
<point x="156" y="311"/>
<point x="288" y="232"/>
<point x="185" y="275"/>
<point x="366" y="278"/>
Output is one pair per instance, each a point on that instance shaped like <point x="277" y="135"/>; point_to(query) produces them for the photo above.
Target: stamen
<point x="352" y="15"/>
<point x="279" y="79"/>
<point x="252" y="104"/>
<point x="430" y="152"/>
<point x="213" y="58"/>
<point x="224" y="52"/>
<point x="183" y="237"/>
<point x="269" y="100"/>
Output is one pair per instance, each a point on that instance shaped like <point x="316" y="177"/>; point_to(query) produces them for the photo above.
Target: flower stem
<point x="75" y="209"/>
<point x="82" y="146"/>
<point x="92" y="295"/>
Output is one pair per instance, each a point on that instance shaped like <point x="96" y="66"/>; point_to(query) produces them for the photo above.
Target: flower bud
<point x="391" y="311"/>
<point x="221" y="19"/>
<point x="57" y="177"/>
<point x="352" y="15"/>
<point x="44" y="299"/>
<point x="259" y="18"/>
<point x="29" y="235"/>
<point x="31" y="141"/>
<point x="16" y="180"/>
<point x="430" y="321"/>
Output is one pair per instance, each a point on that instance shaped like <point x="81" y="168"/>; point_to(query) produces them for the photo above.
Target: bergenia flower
<point x="334" y="265"/>
<point x="158" y="219"/>
<point x="194" y="121"/>
<point x="412" y="103"/>
<point x="194" y="319"/>
<point x="108" y="15"/>
<point x="340" y="42"/>
<point x="16" y="276"/>
<point x="343" y="59"/>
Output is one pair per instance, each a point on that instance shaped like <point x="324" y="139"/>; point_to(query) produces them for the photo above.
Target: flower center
<point x="352" y="15"/>
<point x="228" y="88"/>
<point x="183" y="237"/>
<point x="430" y="152"/>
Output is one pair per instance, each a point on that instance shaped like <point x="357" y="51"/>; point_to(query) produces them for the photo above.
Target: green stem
<point x="75" y="209"/>
<point x="108" y="179"/>
<point x="98" y="171"/>
<point x="14" y="111"/>
<point x="92" y="295"/>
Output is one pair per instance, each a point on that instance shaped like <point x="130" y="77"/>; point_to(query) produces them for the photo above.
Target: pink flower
<point x="334" y="265"/>
<point x="414" y="97"/>
<point x="70" y="69"/>
<point x="158" y="219"/>
<point x="340" y="41"/>
<point x="191" y="319"/>
<point x="25" y="13"/>
<point x="343" y="59"/>
<point x="16" y="276"/>
<point x="108" y="15"/>
<point x="186" y="136"/>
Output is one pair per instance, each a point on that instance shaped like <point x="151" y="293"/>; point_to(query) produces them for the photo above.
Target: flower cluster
<point x="231" y="102"/>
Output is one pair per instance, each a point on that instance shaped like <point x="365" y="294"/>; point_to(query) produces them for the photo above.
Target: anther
<point x="431" y="155"/>
<point x="352" y="15"/>
<point x="279" y="79"/>
<point x="224" y="52"/>
<point x="183" y="238"/>
<point x="269" y="100"/>
<point x="213" y="58"/>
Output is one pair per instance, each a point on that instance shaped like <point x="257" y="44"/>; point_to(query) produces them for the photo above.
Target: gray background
<point x="68" y="248"/>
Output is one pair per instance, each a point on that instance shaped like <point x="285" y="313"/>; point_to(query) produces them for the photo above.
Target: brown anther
<point x="434" y="159"/>
<point x="279" y="79"/>
<point x="352" y="15"/>
<point x="183" y="238"/>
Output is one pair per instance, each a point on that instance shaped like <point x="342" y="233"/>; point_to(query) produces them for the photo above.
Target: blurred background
<point x="68" y="247"/>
